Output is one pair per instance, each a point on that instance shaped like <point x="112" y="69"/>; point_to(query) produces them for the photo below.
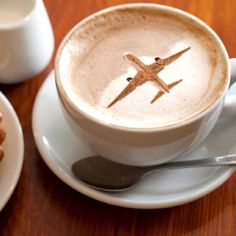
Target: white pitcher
<point x="26" y="39"/>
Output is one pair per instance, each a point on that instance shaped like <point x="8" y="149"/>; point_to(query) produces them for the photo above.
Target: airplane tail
<point x="160" y="93"/>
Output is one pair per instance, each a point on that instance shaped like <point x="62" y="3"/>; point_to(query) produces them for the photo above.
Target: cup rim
<point x="201" y="114"/>
<point x="22" y="21"/>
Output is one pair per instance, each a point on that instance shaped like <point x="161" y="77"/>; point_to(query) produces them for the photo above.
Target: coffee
<point x="93" y="71"/>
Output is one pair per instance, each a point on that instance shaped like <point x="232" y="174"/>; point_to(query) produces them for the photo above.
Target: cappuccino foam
<point x="93" y="71"/>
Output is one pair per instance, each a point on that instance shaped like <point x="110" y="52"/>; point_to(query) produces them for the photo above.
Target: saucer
<point x="60" y="148"/>
<point x="13" y="145"/>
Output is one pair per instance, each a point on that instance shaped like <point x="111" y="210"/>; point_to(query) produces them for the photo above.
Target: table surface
<point x="43" y="205"/>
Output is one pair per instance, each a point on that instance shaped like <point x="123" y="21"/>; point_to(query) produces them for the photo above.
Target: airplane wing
<point x="168" y="60"/>
<point x="133" y="84"/>
<point x="159" y="83"/>
<point x="160" y="93"/>
<point x="161" y="63"/>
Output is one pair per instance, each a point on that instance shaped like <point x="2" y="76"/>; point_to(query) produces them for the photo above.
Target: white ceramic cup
<point x="26" y="39"/>
<point x="145" y="146"/>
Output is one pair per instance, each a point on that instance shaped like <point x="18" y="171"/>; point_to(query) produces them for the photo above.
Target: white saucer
<point x="13" y="145"/>
<point x="60" y="148"/>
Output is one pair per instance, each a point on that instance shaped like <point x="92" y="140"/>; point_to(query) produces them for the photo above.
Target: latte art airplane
<point x="149" y="73"/>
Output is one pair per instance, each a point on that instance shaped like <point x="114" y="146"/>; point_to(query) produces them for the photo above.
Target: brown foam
<point x="92" y="63"/>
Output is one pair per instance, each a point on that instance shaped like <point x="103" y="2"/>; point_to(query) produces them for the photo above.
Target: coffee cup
<point x="90" y="71"/>
<point x="26" y="40"/>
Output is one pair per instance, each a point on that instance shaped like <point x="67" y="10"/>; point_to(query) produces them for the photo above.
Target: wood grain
<point x="44" y="205"/>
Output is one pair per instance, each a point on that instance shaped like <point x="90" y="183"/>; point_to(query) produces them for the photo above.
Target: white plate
<point x="60" y="148"/>
<point x="13" y="145"/>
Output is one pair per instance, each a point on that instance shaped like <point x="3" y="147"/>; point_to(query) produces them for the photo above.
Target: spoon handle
<point x="228" y="160"/>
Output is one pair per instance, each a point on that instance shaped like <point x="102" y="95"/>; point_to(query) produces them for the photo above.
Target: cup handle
<point x="229" y="108"/>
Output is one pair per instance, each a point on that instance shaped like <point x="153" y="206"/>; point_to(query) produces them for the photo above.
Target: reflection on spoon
<point x="105" y="175"/>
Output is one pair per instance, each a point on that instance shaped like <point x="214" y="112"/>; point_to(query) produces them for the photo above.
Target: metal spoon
<point x="109" y="176"/>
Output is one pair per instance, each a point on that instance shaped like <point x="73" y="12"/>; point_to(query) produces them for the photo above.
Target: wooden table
<point x="43" y="205"/>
